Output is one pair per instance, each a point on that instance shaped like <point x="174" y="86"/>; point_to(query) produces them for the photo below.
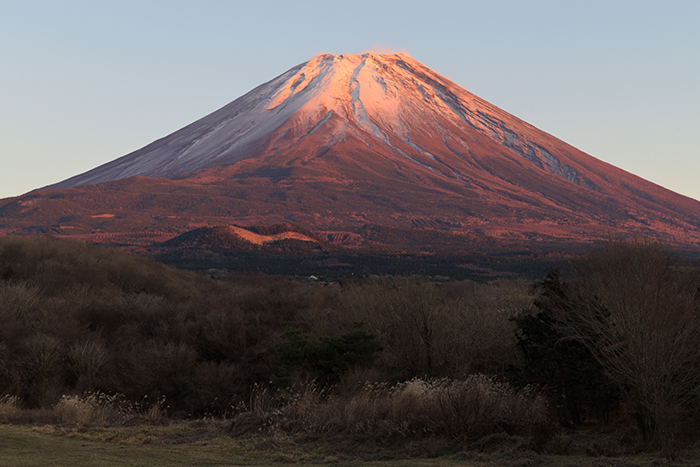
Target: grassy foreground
<point x="207" y="445"/>
<point x="164" y="446"/>
<point x="43" y="446"/>
<point x="172" y="446"/>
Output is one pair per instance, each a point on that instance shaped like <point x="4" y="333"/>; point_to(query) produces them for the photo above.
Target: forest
<point x="94" y="336"/>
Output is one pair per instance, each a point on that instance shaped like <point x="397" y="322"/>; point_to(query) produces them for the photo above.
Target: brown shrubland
<point x="95" y="337"/>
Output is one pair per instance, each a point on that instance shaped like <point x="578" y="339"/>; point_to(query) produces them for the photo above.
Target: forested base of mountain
<point x="94" y="336"/>
<point x="338" y="265"/>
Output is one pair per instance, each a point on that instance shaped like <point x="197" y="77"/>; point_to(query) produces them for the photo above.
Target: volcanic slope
<point x="348" y="144"/>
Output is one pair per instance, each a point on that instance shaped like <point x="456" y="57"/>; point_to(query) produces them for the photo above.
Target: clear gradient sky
<point x="85" y="82"/>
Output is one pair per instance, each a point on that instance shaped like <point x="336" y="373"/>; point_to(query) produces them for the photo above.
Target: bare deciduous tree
<point x="636" y="307"/>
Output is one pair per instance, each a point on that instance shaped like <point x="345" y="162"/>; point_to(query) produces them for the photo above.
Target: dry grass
<point x="9" y="408"/>
<point x="150" y="413"/>
<point x="459" y="410"/>
<point x="16" y="299"/>
<point x="91" y="409"/>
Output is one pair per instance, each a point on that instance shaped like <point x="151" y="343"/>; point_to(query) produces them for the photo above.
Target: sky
<point x="85" y="82"/>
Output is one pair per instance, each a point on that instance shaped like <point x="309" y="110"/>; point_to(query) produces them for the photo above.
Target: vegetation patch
<point x="599" y="361"/>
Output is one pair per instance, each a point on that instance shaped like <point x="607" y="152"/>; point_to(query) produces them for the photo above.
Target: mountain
<point x="406" y="111"/>
<point x="364" y="150"/>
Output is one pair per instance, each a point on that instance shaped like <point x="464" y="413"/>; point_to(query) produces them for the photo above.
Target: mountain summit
<point x="350" y="146"/>
<point x="392" y="105"/>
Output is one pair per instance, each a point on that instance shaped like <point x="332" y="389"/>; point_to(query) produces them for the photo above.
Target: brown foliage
<point x="433" y="329"/>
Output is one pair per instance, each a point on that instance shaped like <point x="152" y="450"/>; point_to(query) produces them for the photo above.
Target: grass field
<point x="156" y="446"/>
<point x="187" y="445"/>
<point x="30" y="446"/>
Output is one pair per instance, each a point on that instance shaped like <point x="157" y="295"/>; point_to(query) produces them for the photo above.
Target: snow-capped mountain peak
<point x="387" y="101"/>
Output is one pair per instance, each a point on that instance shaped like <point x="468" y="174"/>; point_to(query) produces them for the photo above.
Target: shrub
<point x="154" y="369"/>
<point x="42" y="369"/>
<point x="330" y="357"/>
<point x="87" y="357"/>
<point x="435" y="330"/>
<point x="16" y="298"/>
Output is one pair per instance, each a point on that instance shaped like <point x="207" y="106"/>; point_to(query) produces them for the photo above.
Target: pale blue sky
<point x="85" y="82"/>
